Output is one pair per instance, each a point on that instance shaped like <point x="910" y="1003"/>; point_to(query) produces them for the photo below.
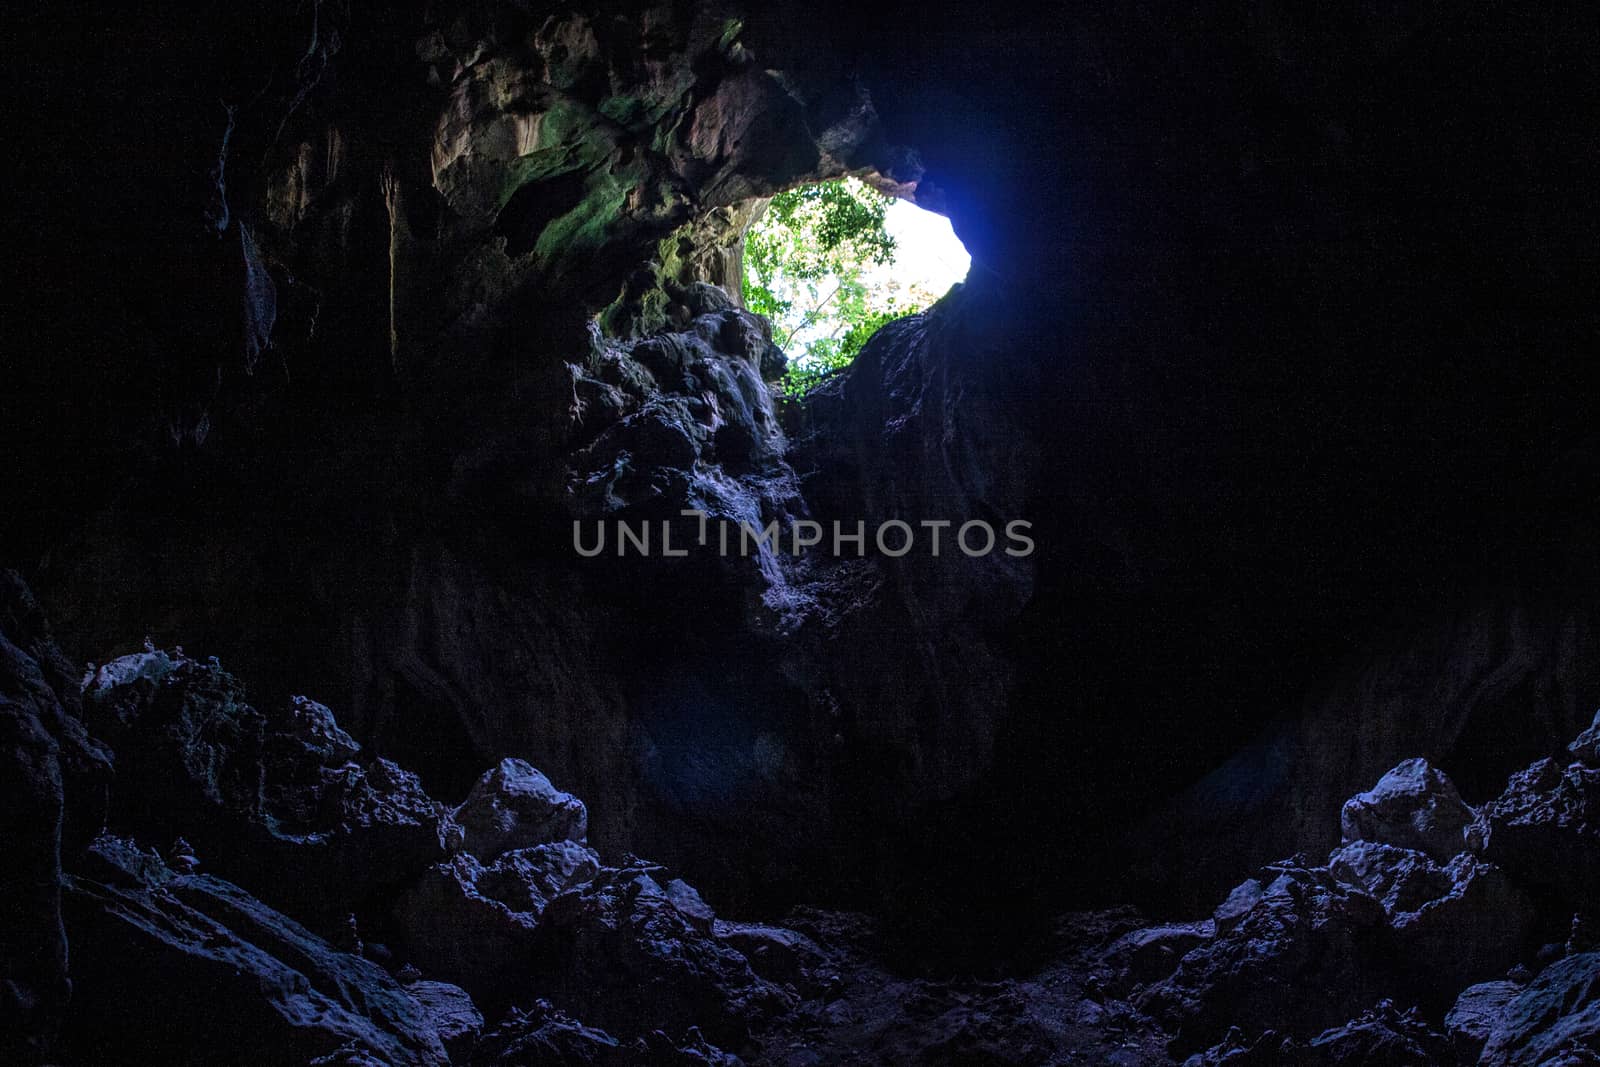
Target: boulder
<point x="1413" y="806"/>
<point x="473" y="924"/>
<point x="1545" y="831"/>
<point x="273" y="800"/>
<point x="1306" y="930"/>
<point x="618" y="951"/>
<point x="1382" y="1037"/>
<point x="547" y="1037"/>
<point x="1557" y="1015"/>
<point x="514" y="806"/>
<point x="455" y="1018"/>
<point x="1402" y="879"/>
<point x="1481" y="928"/>
<point x="173" y="968"/>
<point x="1476" y="1012"/>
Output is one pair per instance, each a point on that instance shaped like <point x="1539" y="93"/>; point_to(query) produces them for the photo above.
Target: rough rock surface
<point x="455" y="1018"/>
<point x="618" y="950"/>
<point x="53" y="781"/>
<point x="1413" y="806"/>
<point x="474" y="922"/>
<point x="274" y="990"/>
<point x="275" y="799"/>
<point x="1555" y="1020"/>
<point x="1481" y="926"/>
<point x="1304" y="929"/>
<point x="1545" y="830"/>
<point x="555" y="957"/>
<point x="514" y="806"/>
<point x="1475" y="1014"/>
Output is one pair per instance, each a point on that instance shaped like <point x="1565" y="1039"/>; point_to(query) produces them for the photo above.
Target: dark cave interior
<point x="327" y="323"/>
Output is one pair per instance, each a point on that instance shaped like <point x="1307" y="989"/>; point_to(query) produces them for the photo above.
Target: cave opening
<point x="831" y="262"/>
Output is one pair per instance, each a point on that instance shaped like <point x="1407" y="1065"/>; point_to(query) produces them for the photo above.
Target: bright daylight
<point x="830" y="263"/>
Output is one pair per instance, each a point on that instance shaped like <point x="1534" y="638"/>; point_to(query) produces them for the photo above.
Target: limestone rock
<point x="1306" y="930"/>
<point x="52" y="797"/>
<point x="271" y="800"/>
<point x="1413" y="806"/>
<point x="514" y="806"/>
<point x="272" y="991"/>
<point x="1475" y="1013"/>
<point x="776" y="953"/>
<point x="1545" y="830"/>
<point x="542" y="1034"/>
<point x="473" y="924"/>
<point x="1402" y="879"/>
<point x="1557" y="1014"/>
<point x="1479" y="929"/>
<point x="617" y="950"/>
<point x="1382" y="1036"/>
<point x="455" y="1018"/>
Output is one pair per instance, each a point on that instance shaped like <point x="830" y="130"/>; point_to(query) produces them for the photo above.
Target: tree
<point x="814" y="266"/>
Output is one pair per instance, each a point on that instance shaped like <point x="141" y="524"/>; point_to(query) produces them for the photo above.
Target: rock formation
<point x="332" y="321"/>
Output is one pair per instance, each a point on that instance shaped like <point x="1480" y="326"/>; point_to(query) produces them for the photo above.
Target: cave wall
<point x="1276" y="331"/>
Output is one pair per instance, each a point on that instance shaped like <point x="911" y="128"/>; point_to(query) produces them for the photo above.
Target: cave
<point x="1164" y="635"/>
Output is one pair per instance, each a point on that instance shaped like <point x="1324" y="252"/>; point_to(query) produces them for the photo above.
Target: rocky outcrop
<point x="1555" y="1020"/>
<point x="474" y="923"/>
<point x="1545" y="829"/>
<point x="524" y="945"/>
<point x="1413" y="806"/>
<point x="1412" y="907"/>
<point x="1474" y="1015"/>
<point x="453" y="1015"/>
<point x="275" y="800"/>
<point x="514" y="807"/>
<point x="1302" y="929"/>
<point x="53" y="780"/>
<point x="619" y="948"/>
<point x="272" y="992"/>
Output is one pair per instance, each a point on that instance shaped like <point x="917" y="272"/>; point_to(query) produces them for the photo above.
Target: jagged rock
<point x="1556" y="1016"/>
<point x="1241" y="899"/>
<point x="1269" y="1049"/>
<point x="52" y="790"/>
<point x="1586" y="747"/>
<point x="1381" y="1037"/>
<point x="1413" y="806"/>
<point x="1545" y="830"/>
<point x="474" y="923"/>
<point x="1306" y="930"/>
<point x="1451" y="925"/>
<point x="514" y="806"/>
<point x="455" y="1018"/>
<point x="1150" y="954"/>
<point x="1475" y="1013"/>
<point x="267" y="990"/>
<point x="271" y="800"/>
<point x="618" y="951"/>
<point x="1403" y="879"/>
<point x="1480" y="928"/>
<point x="543" y="1036"/>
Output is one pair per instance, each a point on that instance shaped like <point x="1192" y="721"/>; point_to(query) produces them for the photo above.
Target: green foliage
<point x="808" y="264"/>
